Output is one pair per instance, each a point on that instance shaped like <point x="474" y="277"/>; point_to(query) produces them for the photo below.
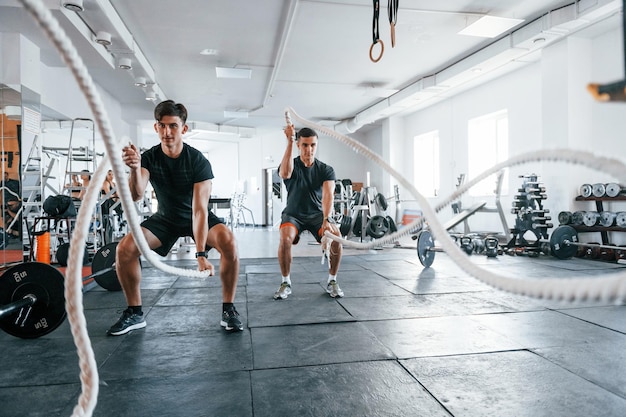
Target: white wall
<point x="548" y="107"/>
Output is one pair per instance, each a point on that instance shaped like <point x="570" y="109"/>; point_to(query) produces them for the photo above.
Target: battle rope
<point x="376" y="34"/>
<point x="609" y="287"/>
<point x="73" y="278"/>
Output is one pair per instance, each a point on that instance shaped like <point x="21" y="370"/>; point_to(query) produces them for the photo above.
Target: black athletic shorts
<point x="312" y="223"/>
<point x="168" y="232"/>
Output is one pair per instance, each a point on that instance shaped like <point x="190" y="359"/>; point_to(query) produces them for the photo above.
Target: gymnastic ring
<point x="382" y="49"/>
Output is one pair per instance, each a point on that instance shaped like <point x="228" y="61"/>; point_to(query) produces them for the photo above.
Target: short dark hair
<point x="170" y="108"/>
<point x="306" y="132"/>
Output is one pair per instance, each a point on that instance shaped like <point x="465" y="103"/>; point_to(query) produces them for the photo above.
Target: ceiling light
<point x="235" y="114"/>
<point x="125" y="64"/>
<point x="209" y="51"/>
<point x="103" y="38"/>
<point x="222" y="72"/>
<point x="490" y="26"/>
<point x="151" y="96"/>
<point x="74" y="5"/>
<point x="141" y="82"/>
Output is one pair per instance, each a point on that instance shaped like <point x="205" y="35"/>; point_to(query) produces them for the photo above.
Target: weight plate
<point x="346" y="224"/>
<point x="381" y="201"/>
<point x="47" y="284"/>
<point x="559" y="242"/>
<point x="424" y="244"/>
<point x="392" y="224"/>
<point x="577" y="218"/>
<point x="612" y="189"/>
<point x="565" y="217"/>
<point x="598" y="189"/>
<point x="376" y="227"/>
<point x="591" y="218"/>
<point x="105" y="259"/>
<point x="607" y="218"/>
<point x="620" y="219"/>
<point x="586" y="190"/>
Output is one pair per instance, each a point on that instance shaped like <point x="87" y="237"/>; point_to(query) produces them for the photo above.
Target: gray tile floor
<point x="404" y="341"/>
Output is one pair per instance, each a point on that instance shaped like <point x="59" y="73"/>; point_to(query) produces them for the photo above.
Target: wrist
<point x="203" y="254"/>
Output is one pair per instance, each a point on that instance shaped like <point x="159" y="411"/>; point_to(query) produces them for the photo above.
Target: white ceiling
<point x="312" y="55"/>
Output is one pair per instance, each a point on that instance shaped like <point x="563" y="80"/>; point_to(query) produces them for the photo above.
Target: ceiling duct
<point x="533" y="36"/>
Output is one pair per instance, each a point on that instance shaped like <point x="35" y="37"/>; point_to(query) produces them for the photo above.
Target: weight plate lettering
<point x="47" y="284"/>
<point x="559" y="242"/>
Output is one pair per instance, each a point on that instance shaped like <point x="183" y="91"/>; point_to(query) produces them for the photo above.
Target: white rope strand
<point x="73" y="279"/>
<point x="609" y="287"/>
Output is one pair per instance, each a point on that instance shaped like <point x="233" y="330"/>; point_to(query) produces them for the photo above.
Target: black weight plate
<point x="356" y="229"/>
<point x="62" y="253"/>
<point x="44" y="282"/>
<point x="346" y="224"/>
<point x="392" y="224"/>
<point x="381" y="201"/>
<point x="424" y="244"/>
<point x="376" y="227"/>
<point x="105" y="259"/>
<point x="565" y="217"/>
<point x="560" y="248"/>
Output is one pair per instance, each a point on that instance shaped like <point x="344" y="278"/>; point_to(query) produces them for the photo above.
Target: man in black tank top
<point x="181" y="177"/>
<point x="310" y="187"/>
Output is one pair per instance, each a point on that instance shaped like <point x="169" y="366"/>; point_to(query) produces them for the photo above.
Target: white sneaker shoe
<point x="283" y="291"/>
<point x="333" y="289"/>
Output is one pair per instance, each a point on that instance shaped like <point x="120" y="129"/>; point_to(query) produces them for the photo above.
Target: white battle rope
<point x="609" y="287"/>
<point x="73" y="278"/>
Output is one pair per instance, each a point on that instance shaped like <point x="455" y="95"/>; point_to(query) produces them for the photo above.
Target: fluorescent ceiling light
<point x="222" y="72"/>
<point x="490" y="26"/>
<point x="235" y="114"/>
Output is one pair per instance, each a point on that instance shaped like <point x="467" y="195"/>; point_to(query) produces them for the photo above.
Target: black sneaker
<point x="129" y="321"/>
<point x="230" y="321"/>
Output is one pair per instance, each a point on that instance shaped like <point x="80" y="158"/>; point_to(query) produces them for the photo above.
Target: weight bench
<point x="462" y="216"/>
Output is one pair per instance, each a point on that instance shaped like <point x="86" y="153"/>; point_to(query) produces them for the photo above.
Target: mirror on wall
<point x="11" y="200"/>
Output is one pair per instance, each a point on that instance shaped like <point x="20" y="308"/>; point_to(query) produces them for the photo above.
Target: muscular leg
<point x="336" y="251"/>
<point x="222" y="239"/>
<point x="128" y="268"/>
<point x="287" y="235"/>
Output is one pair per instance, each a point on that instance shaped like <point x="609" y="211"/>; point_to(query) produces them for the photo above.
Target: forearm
<point x="286" y="164"/>
<point x="137" y="184"/>
<point x="200" y="219"/>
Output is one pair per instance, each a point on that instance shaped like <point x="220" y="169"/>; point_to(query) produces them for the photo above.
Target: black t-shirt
<point x="173" y="179"/>
<point x="304" y="188"/>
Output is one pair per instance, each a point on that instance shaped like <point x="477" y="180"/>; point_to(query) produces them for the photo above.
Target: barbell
<point x="32" y="301"/>
<point x="564" y="243"/>
<point x="426" y="247"/>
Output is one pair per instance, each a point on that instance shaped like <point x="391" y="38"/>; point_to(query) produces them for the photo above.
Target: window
<point x="426" y="163"/>
<point x="487" y="144"/>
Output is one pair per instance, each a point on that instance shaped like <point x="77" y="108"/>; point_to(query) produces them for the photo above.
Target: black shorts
<point x="312" y="223"/>
<point x="168" y="231"/>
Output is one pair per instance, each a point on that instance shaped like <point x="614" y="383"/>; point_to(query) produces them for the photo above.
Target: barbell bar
<point x="426" y="247"/>
<point x="564" y="243"/>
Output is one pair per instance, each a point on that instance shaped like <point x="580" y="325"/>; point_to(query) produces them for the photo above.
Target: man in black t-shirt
<point x="181" y="177"/>
<point x="310" y="187"/>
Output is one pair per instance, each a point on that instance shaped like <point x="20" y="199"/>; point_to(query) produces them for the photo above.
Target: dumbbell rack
<point x="530" y="217"/>
<point x="600" y="208"/>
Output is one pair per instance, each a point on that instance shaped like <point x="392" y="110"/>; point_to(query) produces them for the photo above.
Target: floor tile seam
<point x="314" y="365"/>
<point x="317" y="323"/>
<point x="534" y="351"/>
<point x="588" y="321"/>
<point x="424" y="387"/>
